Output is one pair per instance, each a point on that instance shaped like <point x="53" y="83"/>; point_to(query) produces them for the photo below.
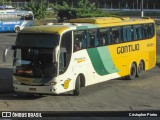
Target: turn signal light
<point x="28" y="71"/>
<point x="20" y="71"/>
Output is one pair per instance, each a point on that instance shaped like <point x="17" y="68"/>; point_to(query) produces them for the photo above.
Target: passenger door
<point x="65" y="71"/>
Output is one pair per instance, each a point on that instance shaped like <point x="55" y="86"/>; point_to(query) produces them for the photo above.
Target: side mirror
<point x="12" y="47"/>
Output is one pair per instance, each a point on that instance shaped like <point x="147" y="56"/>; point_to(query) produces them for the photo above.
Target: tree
<point x="2" y="1"/>
<point x="83" y="8"/>
<point x="38" y="8"/>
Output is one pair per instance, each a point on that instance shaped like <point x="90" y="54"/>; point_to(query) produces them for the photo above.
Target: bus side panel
<point x="95" y="64"/>
<point x="120" y="60"/>
<point x="102" y="64"/>
<point x="83" y="65"/>
<point x="152" y="53"/>
<point x="125" y="54"/>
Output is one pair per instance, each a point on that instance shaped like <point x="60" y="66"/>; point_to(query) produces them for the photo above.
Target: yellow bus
<point x="63" y="57"/>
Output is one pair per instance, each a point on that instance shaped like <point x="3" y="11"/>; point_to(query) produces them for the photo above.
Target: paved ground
<point x="114" y="95"/>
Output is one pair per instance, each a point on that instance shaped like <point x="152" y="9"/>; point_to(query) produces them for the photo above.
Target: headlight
<point x="53" y="83"/>
<point x="16" y="81"/>
<point x="50" y="83"/>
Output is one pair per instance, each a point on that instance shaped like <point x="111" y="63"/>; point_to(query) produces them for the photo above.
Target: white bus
<point x="54" y="59"/>
<point x="16" y="20"/>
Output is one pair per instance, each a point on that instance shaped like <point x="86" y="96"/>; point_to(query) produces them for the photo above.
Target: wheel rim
<point x="140" y="68"/>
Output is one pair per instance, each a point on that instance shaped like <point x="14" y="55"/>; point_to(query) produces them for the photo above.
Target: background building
<point x="127" y="4"/>
<point x="117" y="4"/>
<point x="102" y="4"/>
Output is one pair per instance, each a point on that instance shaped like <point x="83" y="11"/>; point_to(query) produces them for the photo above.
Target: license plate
<point x="32" y="89"/>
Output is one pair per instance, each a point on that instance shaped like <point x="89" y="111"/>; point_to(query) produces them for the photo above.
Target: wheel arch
<point x="134" y="63"/>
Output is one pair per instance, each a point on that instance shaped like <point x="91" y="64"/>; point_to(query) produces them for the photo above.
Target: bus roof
<point x="46" y="29"/>
<point x="99" y="20"/>
<point x="86" y="23"/>
<point x="109" y="20"/>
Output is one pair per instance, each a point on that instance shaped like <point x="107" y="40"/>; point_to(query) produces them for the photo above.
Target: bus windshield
<point x="37" y="40"/>
<point x="34" y="55"/>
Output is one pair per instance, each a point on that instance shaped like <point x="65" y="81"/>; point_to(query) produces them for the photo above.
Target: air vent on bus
<point x="62" y="23"/>
<point x="98" y="20"/>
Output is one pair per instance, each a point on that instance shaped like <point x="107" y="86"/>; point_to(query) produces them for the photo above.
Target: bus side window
<point x="80" y="40"/>
<point x="116" y="35"/>
<point x="108" y="36"/>
<point x="150" y="30"/>
<point x="120" y="35"/>
<point x="96" y="41"/>
<point x="124" y="34"/>
<point x="92" y="38"/>
<point x="145" y="31"/>
<point x="129" y="33"/>
<point x="84" y="39"/>
<point x="135" y="32"/>
<point x="104" y="37"/>
<point x="140" y="32"/>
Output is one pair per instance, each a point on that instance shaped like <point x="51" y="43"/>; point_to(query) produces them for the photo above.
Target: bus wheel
<point x="77" y="90"/>
<point x="140" y="69"/>
<point x="17" y="29"/>
<point x="133" y="72"/>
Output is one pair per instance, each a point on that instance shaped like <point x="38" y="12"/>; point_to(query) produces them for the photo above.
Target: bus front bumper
<point x="34" y="89"/>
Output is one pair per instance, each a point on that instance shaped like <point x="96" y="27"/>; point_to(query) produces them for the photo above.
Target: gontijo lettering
<point x="127" y="48"/>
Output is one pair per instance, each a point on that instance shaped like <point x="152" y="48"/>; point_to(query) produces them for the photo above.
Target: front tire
<point x="133" y="71"/>
<point x="77" y="90"/>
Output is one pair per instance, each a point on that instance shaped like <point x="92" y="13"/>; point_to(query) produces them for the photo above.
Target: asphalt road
<point x="113" y="95"/>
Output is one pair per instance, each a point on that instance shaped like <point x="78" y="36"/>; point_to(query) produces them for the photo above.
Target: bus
<point x="15" y="21"/>
<point x="6" y="8"/>
<point x="64" y="57"/>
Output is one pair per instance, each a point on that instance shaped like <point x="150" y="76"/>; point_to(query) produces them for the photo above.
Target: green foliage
<point x="84" y="8"/>
<point x="1" y="1"/>
<point x="38" y="8"/>
<point x="85" y="4"/>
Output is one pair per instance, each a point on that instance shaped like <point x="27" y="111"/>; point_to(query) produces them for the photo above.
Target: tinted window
<point x="151" y="30"/>
<point x="92" y="38"/>
<point x="104" y="37"/>
<point x="113" y="35"/>
<point x="135" y="33"/>
<point x="116" y="35"/>
<point x="37" y="40"/>
<point x="127" y="33"/>
<point x="80" y="40"/>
